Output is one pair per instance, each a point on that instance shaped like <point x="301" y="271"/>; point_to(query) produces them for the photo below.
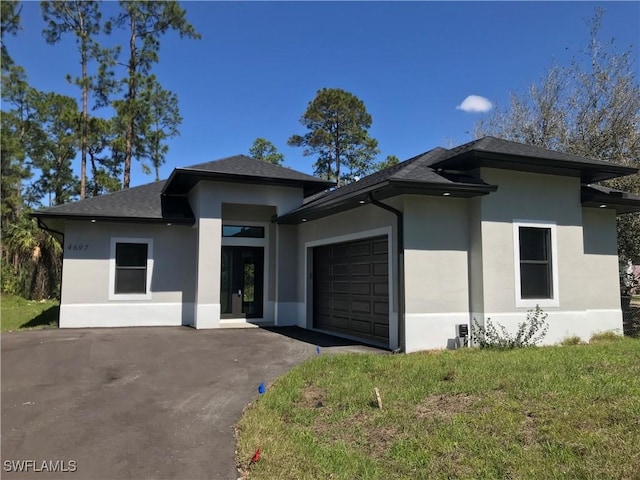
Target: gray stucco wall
<point x="436" y="254"/>
<point x="86" y="272"/>
<point x="530" y="197"/>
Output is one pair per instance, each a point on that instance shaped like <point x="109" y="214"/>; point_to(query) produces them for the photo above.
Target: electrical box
<point x="462" y="330"/>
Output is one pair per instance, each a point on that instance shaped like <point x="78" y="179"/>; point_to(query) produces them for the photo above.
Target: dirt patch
<point x="312" y="397"/>
<point x="445" y="406"/>
<point x="361" y="431"/>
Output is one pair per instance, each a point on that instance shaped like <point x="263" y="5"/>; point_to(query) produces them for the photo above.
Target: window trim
<point x="112" y="269"/>
<point x="554" y="301"/>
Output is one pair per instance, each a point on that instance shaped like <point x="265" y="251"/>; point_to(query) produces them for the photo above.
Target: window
<point x="238" y="231"/>
<point x="535" y="264"/>
<point x="131" y="265"/>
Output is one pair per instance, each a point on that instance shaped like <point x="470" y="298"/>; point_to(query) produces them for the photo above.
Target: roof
<point x="499" y="153"/>
<point x="604" y="197"/>
<point x="411" y="176"/>
<point x="142" y="204"/>
<point x="243" y="169"/>
<point x="449" y="173"/>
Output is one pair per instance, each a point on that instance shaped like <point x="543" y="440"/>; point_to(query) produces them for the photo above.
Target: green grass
<point x="18" y="314"/>
<point x="557" y="412"/>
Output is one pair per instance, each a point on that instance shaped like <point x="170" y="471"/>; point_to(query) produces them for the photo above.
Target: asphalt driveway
<point x="137" y="403"/>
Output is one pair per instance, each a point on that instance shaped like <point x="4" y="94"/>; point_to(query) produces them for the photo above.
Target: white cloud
<point x="475" y="103"/>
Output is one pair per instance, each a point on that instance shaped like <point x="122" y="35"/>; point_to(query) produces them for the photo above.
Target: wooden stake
<point x="378" y="398"/>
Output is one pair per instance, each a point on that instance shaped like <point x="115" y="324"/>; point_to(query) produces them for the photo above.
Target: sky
<point x="426" y="71"/>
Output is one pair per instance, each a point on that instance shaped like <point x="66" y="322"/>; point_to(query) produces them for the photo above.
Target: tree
<point x="105" y="169"/>
<point x="337" y="123"/>
<point x="263" y="149"/>
<point x="390" y="161"/>
<point x="10" y="23"/>
<point x="163" y="121"/>
<point x="82" y="18"/>
<point x="589" y="108"/>
<point x="145" y="23"/>
<point x="55" y="148"/>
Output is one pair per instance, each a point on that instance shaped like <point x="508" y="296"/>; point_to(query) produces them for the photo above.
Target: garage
<point x="351" y="289"/>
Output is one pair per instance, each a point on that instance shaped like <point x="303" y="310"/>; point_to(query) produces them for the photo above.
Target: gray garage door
<point x="351" y="289"/>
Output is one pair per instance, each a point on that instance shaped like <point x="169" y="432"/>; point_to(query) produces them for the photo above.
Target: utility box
<point x="462" y="330"/>
<point x="462" y="335"/>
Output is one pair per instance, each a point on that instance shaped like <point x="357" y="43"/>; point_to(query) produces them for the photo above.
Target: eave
<point x="387" y="189"/>
<point x="587" y="172"/>
<point x="182" y="180"/>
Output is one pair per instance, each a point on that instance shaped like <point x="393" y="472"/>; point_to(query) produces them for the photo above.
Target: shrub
<point x="529" y="333"/>
<point x="604" y="337"/>
<point x="575" y="340"/>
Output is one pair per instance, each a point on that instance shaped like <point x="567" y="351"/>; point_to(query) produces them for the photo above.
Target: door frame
<point x="249" y="242"/>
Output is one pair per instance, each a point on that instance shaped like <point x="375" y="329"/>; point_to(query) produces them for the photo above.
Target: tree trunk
<point x="85" y="102"/>
<point x="131" y="97"/>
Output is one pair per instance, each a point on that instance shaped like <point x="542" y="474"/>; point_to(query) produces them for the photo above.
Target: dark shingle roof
<point x="413" y="175"/>
<point x="605" y="197"/>
<point x="500" y="153"/>
<point x="243" y="169"/>
<point x="138" y="203"/>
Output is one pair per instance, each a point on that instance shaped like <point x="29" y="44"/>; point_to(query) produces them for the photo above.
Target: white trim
<point x="112" y="269"/>
<point x="90" y="315"/>
<point x="376" y="232"/>
<point x="554" y="301"/>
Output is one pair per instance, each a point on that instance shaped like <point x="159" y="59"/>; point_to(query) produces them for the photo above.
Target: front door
<point x="241" y="283"/>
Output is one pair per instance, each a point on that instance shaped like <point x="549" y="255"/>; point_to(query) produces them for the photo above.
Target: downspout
<point x="400" y="269"/>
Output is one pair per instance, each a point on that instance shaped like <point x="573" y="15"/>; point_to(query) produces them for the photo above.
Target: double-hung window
<point x="131" y="263"/>
<point x="535" y="264"/>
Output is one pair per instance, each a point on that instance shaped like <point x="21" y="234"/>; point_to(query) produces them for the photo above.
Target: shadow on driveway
<point x="138" y="402"/>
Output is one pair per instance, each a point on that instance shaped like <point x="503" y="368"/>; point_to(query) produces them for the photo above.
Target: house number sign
<point x="78" y="246"/>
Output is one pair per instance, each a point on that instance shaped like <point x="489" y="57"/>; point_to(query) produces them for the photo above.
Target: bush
<point x="605" y="337"/>
<point x="529" y="333"/>
<point x="575" y="340"/>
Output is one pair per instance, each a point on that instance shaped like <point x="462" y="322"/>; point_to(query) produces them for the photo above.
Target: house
<point x="489" y="229"/>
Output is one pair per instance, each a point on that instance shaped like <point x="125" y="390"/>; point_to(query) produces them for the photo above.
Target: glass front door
<point x="241" y="283"/>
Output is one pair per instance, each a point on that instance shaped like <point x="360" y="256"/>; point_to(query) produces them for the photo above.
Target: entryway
<point x="242" y="282"/>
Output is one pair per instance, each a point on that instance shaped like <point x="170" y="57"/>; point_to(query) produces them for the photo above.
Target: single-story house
<point x="399" y="259"/>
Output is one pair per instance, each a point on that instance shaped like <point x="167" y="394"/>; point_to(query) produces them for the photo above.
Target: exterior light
<point x="446" y="194"/>
<point x="93" y="220"/>
<point x="168" y="224"/>
<point x="603" y="205"/>
<point x="304" y="219"/>
<point x="361" y="202"/>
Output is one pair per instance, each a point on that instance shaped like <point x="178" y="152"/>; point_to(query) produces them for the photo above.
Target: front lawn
<point x="554" y="412"/>
<point x="18" y="313"/>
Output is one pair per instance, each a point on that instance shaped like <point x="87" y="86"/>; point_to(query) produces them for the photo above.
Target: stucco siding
<point x="436" y="237"/>
<point x="599" y="282"/>
<point x="537" y="198"/>
<point x="86" y="274"/>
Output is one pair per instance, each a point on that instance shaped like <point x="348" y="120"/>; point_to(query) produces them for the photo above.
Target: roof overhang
<point x="387" y="189"/>
<point x="587" y="172"/>
<point x="44" y="217"/>
<point x="182" y="180"/>
<point x="601" y="197"/>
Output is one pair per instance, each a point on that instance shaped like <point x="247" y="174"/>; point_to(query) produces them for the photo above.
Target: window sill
<point x="532" y="302"/>
<point x="130" y="296"/>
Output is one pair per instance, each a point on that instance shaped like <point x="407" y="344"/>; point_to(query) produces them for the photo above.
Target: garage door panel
<point x="361" y="288"/>
<point x="360" y="269"/>
<point x="351" y="288"/>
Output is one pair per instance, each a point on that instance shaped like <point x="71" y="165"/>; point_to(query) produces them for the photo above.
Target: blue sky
<point x="259" y="64"/>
